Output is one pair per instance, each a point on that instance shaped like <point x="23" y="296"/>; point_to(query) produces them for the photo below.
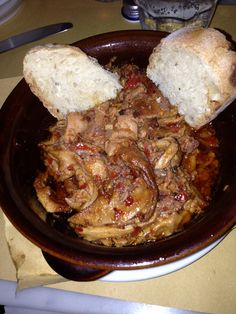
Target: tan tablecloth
<point x="207" y="285"/>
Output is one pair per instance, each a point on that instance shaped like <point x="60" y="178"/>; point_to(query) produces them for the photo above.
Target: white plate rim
<point x="158" y="271"/>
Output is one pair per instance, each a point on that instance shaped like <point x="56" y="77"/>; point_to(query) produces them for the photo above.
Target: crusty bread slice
<point x="65" y="79"/>
<point x="196" y="70"/>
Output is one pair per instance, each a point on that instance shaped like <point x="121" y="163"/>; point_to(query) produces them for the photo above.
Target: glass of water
<point x="170" y="15"/>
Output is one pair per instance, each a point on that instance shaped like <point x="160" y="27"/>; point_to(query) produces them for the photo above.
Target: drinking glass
<point x="170" y="15"/>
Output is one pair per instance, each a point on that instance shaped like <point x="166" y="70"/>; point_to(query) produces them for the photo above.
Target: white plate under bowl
<point x="158" y="271"/>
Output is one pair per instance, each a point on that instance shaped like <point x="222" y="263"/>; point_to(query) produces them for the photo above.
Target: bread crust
<point x="212" y="47"/>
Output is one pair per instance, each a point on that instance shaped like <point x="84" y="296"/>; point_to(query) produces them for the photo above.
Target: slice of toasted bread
<point x="196" y="70"/>
<point x="65" y="79"/>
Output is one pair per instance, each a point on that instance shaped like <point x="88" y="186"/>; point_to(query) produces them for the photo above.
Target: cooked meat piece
<point x="51" y="199"/>
<point x="169" y="148"/>
<point x="76" y="123"/>
<point x="188" y="144"/>
<point x="121" y="208"/>
<point x="124" y="131"/>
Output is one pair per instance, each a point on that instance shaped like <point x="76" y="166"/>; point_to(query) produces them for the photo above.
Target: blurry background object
<point x="8" y="9"/>
<point x="33" y="35"/>
<point x="170" y="15"/>
<point x="130" y="11"/>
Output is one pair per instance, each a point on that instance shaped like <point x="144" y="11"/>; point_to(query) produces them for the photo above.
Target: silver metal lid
<point x="130" y="11"/>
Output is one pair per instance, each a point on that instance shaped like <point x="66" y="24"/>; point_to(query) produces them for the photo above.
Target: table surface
<point x="208" y="285"/>
<point x="89" y="17"/>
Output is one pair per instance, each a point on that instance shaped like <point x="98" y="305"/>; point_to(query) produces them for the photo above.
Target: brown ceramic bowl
<point x="23" y="121"/>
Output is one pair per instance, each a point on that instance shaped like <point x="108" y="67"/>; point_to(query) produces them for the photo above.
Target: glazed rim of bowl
<point x="20" y="124"/>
